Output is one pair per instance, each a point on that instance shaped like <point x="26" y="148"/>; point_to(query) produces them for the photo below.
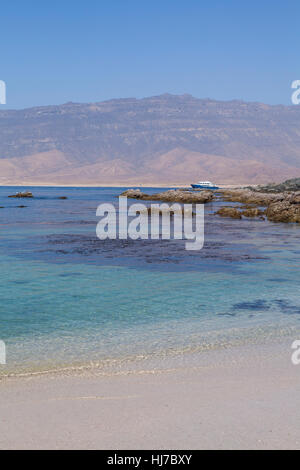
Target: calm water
<point x="68" y="298"/>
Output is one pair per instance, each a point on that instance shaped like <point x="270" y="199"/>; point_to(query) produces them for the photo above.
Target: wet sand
<point x="243" y="398"/>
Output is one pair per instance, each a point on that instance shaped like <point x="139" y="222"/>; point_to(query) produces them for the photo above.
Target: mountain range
<point x="166" y="139"/>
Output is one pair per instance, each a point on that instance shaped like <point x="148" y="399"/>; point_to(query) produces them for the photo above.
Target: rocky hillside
<point x="289" y="185"/>
<point x="163" y="139"/>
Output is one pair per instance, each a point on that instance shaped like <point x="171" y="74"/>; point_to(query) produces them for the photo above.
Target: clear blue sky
<point x="58" y="51"/>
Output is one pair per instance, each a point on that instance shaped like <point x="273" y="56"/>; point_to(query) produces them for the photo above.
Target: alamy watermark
<point x="296" y="94"/>
<point x="296" y="354"/>
<point x="2" y="353"/>
<point x="159" y="221"/>
<point x="2" y="92"/>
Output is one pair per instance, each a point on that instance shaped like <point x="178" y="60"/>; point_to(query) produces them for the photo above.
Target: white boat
<point x="204" y="185"/>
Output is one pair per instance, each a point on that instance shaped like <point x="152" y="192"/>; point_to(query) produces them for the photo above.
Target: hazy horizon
<point x="128" y="98"/>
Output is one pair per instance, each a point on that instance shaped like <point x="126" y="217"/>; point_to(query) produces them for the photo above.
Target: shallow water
<point x="68" y="298"/>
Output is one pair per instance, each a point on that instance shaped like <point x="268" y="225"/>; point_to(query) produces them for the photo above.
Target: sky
<point x="54" y="51"/>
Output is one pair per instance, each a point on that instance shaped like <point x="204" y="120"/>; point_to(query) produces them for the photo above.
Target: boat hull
<point x="202" y="186"/>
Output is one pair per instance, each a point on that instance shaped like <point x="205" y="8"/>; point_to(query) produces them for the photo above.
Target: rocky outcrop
<point x="252" y="212"/>
<point x="235" y="213"/>
<point x="248" y="196"/>
<point x="281" y="207"/>
<point x="24" y="194"/>
<point x="288" y="185"/>
<point x="285" y="211"/>
<point x="172" y="195"/>
<point x="229" y="212"/>
<point x="133" y="194"/>
<point x="294" y="198"/>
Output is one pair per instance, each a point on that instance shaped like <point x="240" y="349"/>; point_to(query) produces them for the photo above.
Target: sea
<point x="69" y="300"/>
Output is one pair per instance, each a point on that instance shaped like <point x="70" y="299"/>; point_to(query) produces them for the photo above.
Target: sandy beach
<point x="242" y="398"/>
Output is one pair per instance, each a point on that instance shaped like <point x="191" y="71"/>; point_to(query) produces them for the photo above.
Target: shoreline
<point x="225" y="399"/>
<point x="163" y="358"/>
<point x="114" y="185"/>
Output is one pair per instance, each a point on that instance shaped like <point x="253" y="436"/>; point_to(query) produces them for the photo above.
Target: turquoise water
<point x="69" y="299"/>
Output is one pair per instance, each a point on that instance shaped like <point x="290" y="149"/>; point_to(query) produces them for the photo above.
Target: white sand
<point x="248" y="397"/>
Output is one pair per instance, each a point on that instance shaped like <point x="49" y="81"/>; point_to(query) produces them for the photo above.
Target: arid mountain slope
<point x="163" y="139"/>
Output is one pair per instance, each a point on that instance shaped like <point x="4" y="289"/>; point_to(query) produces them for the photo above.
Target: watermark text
<point x="2" y="92"/>
<point x="159" y="221"/>
<point x="2" y="353"/>
<point x="296" y="95"/>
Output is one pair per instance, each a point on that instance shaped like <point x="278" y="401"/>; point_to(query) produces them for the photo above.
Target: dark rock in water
<point x="288" y="185"/>
<point x="285" y="211"/>
<point x="250" y="197"/>
<point x="172" y="195"/>
<point x="281" y="207"/>
<point x="282" y="200"/>
<point x="24" y="194"/>
<point x="253" y="212"/>
<point x="229" y="212"/>
<point x="21" y="207"/>
<point x="133" y="193"/>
